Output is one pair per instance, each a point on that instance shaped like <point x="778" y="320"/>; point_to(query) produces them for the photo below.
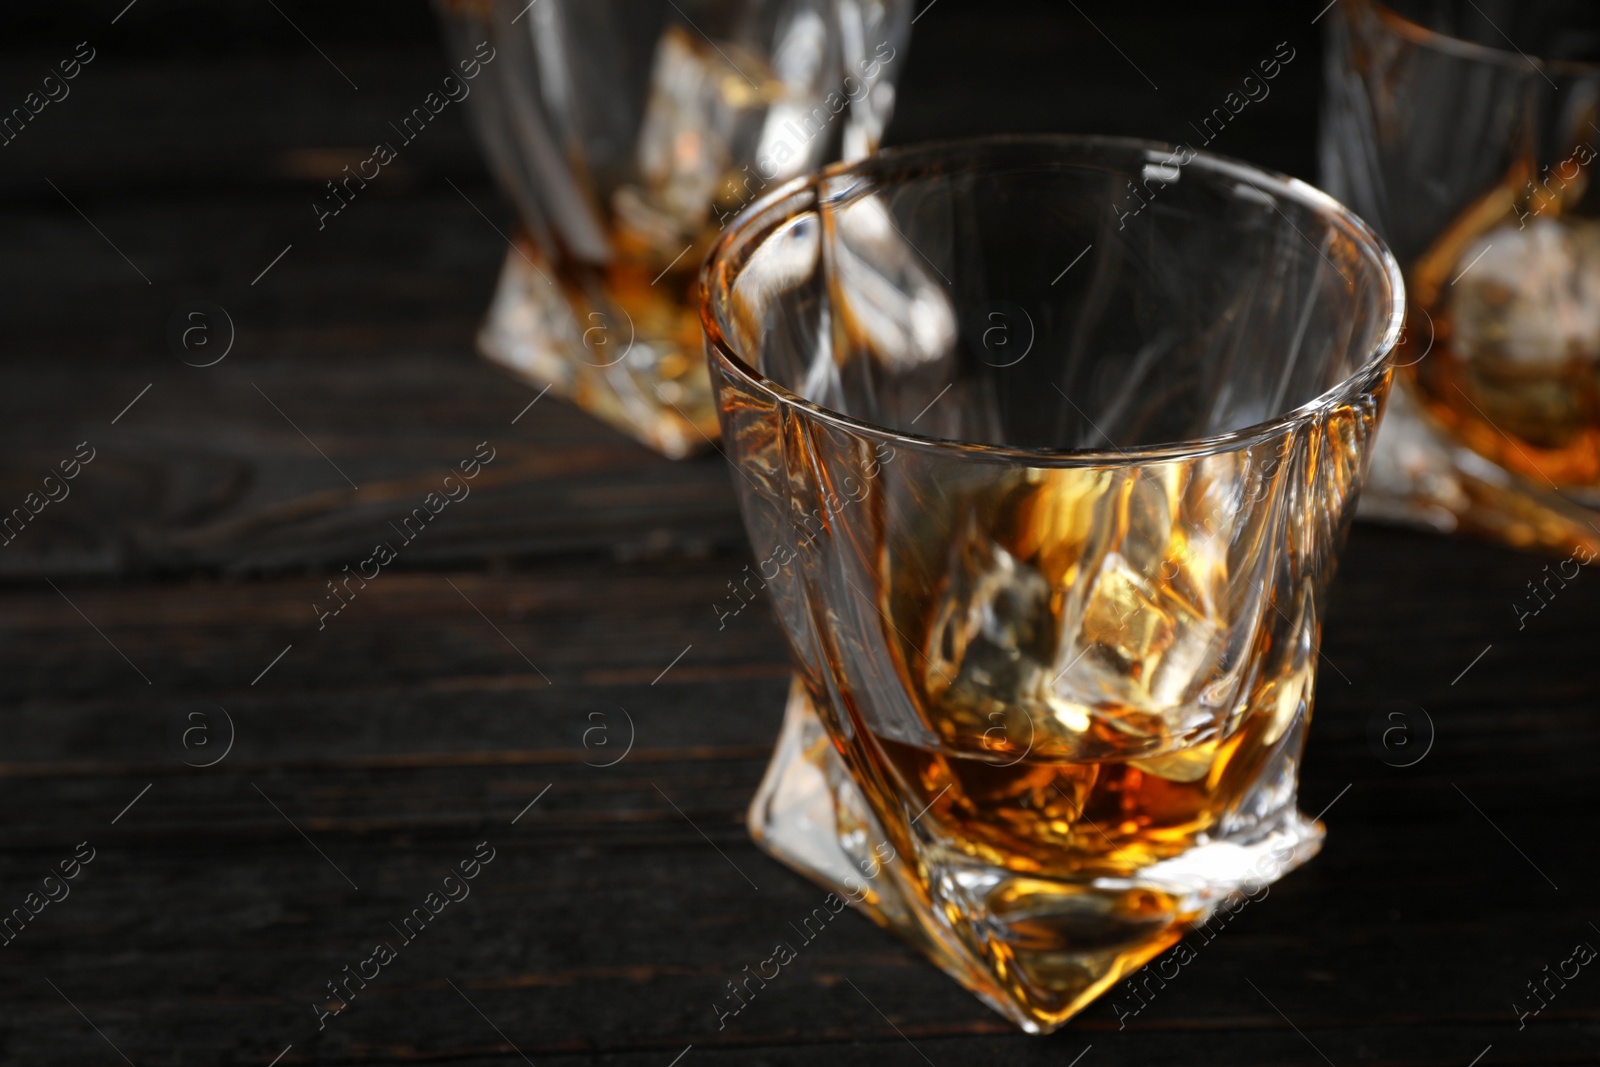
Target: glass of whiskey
<point x="1047" y="495"/>
<point x="1465" y="132"/>
<point x="627" y="133"/>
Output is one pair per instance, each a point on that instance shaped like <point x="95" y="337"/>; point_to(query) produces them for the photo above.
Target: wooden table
<point x="564" y="611"/>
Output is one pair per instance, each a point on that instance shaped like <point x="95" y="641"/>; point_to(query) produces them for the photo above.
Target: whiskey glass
<point x="1464" y="131"/>
<point x="627" y="133"/>
<point x="1046" y="492"/>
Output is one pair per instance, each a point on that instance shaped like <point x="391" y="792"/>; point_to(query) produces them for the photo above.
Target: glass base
<point x="1034" y="948"/>
<point x="582" y="342"/>
<point x="1420" y="477"/>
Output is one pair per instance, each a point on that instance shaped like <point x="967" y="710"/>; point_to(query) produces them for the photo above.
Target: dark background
<point x="471" y="676"/>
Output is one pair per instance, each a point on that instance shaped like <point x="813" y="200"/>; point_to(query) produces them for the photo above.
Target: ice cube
<point x="1144" y="650"/>
<point x="706" y="104"/>
<point x="989" y="647"/>
<point x="1530" y="296"/>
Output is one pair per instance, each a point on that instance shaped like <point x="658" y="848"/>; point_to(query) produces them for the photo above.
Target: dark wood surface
<point x="373" y="755"/>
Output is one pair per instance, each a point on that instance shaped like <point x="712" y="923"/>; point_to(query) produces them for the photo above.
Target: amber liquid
<point x="1512" y="315"/>
<point x="658" y="302"/>
<point x="1543" y="423"/>
<point x="1079" y="738"/>
<point x="1043" y="794"/>
<point x="1076" y="821"/>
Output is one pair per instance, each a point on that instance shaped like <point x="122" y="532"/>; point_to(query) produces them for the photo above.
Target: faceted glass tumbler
<point x="1047" y="496"/>
<point x="627" y="133"/>
<point x="1465" y="132"/>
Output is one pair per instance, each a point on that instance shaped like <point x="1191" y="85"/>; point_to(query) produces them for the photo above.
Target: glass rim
<point x="1417" y="33"/>
<point x="761" y="218"/>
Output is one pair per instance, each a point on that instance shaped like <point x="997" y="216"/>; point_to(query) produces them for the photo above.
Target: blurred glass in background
<point x="1465" y="132"/>
<point x="627" y="133"/>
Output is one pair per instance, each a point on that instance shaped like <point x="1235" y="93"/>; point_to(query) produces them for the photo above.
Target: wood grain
<point x="371" y="754"/>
